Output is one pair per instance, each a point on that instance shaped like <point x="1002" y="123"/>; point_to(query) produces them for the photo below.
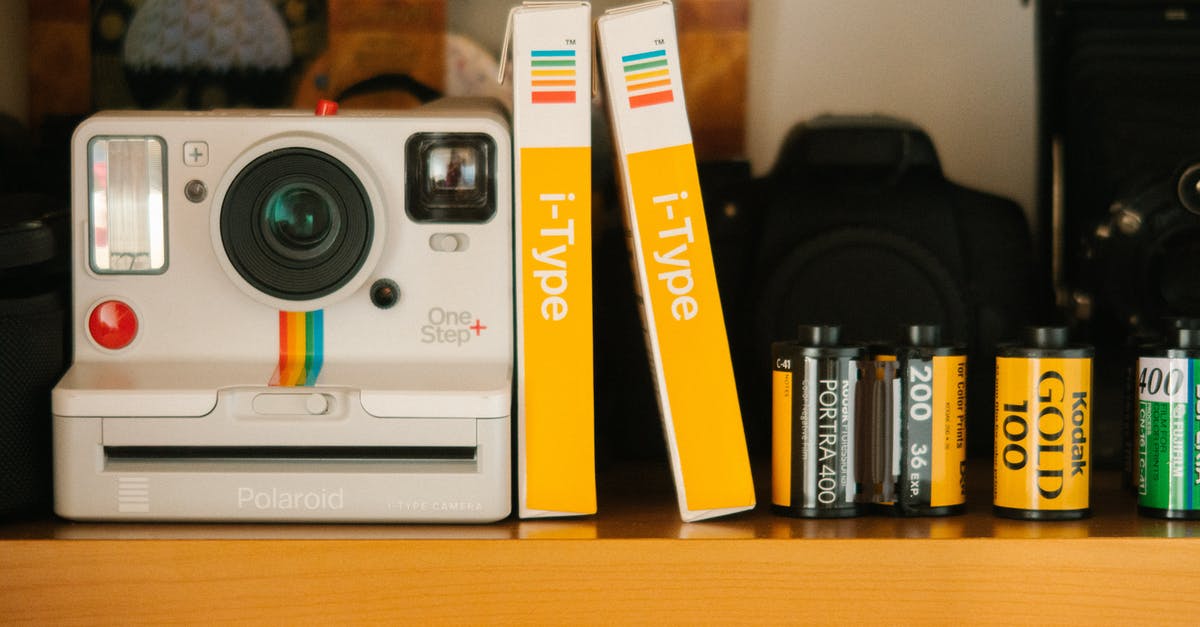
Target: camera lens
<point x="1189" y="188"/>
<point x="300" y="220"/>
<point x="296" y="224"/>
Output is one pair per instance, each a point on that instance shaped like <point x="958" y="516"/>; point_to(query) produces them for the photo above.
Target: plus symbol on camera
<point x="477" y="327"/>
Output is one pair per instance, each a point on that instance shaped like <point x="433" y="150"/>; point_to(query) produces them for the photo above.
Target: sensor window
<point x="127" y="226"/>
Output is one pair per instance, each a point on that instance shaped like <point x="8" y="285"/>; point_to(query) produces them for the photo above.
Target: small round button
<point x="444" y="242"/>
<point x="195" y="190"/>
<point x="385" y="293"/>
<point x="317" y="404"/>
<point x="113" y="324"/>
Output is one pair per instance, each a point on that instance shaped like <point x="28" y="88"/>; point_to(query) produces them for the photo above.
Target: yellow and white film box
<point x="681" y="309"/>
<point x="552" y="87"/>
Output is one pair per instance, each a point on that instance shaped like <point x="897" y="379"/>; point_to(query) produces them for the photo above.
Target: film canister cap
<point x="923" y="334"/>
<point x="819" y="334"/>
<point x="1180" y="322"/>
<point x="1186" y="337"/>
<point x="1047" y="337"/>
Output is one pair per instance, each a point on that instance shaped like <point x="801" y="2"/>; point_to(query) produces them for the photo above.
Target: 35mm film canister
<point x="813" y="388"/>
<point x="1144" y="344"/>
<point x="1043" y="427"/>
<point x="1168" y="454"/>
<point x="931" y="446"/>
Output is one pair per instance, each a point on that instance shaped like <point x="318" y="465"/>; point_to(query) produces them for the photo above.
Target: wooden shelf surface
<point x="634" y="562"/>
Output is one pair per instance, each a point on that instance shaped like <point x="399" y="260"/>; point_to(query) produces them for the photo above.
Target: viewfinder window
<point x="449" y="177"/>
<point x="452" y="168"/>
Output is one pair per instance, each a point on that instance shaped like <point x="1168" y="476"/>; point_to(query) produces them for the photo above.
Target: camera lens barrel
<point x="300" y="220"/>
<point x="296" y="224"/>
<point x="1189" y="188"/>
<point x="35" y="317"/>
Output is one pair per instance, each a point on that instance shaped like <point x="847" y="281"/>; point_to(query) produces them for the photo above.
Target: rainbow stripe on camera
<point x="301" y="348"/>
<point x="647" y="78"/>
<point x="553" y="76"/>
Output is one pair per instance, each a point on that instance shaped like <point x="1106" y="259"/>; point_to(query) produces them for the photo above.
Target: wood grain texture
<point x="634" y="562"/>
<point x="600" y="581"/>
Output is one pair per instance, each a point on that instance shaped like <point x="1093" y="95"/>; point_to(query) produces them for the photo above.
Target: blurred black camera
<point x="1138" y="264"/>
<point x="1120" y="206"/>
<point x="857" y="226"/>
<point x="34" y="318"/>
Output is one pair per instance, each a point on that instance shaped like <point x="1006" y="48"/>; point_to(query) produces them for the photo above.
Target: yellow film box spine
<point x="552" y="59"/>
<point x="681" y="308"/>
<point x="557" y="339"/>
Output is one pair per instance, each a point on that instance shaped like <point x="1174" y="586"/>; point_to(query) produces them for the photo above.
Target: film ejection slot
<point x="273" y="404"/>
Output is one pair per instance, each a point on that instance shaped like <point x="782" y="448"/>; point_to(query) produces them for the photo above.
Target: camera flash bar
<point x="127" y="222"/>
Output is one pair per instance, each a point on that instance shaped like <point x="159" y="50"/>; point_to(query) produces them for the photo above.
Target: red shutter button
<point x="113" y="324"/>
<point x="326" y="107"/>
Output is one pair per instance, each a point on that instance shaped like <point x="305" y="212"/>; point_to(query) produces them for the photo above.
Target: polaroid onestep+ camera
<point x="282" y="316"/>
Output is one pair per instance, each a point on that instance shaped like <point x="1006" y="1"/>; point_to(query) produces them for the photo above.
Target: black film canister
<point x="813" y="419"/>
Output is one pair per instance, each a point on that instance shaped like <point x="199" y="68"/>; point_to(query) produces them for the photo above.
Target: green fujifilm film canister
<point x="813" y="425"/>
<point x="1168" y="452"/>
<point x="1142" y="345"/>
<point x="1043" y="428"/>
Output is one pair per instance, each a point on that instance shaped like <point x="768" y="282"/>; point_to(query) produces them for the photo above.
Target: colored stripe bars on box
<point x="647" y="78"/>
<point x="553" y="76"/>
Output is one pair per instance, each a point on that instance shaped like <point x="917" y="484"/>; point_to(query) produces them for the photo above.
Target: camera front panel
<point x="247" y="219"/>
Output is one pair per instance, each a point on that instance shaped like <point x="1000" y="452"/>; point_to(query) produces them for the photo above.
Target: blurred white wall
<point x="961" y="69"/>
<point x="14" y="58"/>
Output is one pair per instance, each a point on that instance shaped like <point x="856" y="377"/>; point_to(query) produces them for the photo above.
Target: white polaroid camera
<point x="288" y="316"/>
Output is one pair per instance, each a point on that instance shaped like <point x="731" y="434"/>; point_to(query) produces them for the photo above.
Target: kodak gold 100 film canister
<point x="1043" y="428"/>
